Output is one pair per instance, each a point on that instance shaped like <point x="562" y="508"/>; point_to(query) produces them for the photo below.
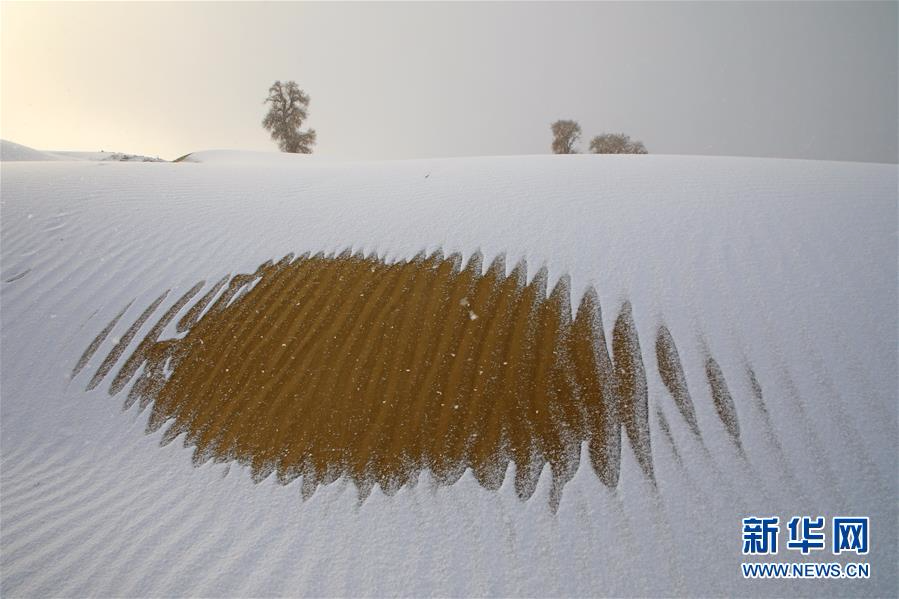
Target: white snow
<point x="106" y="156"/>
<point x="11" y="151"/>
<point x="787" y="266"/>
<point x="247" y="158"/>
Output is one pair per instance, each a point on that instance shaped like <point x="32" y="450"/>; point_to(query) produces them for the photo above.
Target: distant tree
<point x="289" y="105"/>
<point x="616" y="143"/>
<point x="565" y="135"/>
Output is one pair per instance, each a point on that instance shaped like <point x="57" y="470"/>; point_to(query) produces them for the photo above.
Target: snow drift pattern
<point x="787" y="266"/>
<point x="350" y="365"/>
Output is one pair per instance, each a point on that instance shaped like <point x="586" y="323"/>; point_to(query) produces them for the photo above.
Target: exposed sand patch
<point x="724" y="403"/>
<point x="329" y="366"/>
<point x="672" y="374"/>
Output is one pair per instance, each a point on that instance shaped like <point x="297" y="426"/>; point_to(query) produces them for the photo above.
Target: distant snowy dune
<point x="250" y="158"/>
<point x="675" y="343"/>
<point x="13" y="152"/>
<point x="10" y="151"/>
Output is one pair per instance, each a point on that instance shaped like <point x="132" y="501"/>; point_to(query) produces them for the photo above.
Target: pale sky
<point x="409" y="80"/>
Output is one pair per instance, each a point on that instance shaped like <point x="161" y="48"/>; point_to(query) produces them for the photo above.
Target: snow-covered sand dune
<point x="787" y="268"/>
<point x="13" y="152"/>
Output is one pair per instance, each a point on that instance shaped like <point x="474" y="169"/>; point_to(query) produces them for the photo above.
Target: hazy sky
<point x="404" y="80"/>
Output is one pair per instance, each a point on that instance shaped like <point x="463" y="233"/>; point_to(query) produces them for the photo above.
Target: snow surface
<point x="247" y="158"/>
<point x="13" y="152"/>
<point x="106" y="156"/>
<point x="787" y="266"/>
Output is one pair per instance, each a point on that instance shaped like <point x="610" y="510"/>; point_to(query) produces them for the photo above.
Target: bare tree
<point x="289" y="106"/>
<point x="565" y="135"/>
<point x="616" y="143"/>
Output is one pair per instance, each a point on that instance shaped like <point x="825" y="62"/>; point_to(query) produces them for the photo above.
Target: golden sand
<point x="329" y="366"/>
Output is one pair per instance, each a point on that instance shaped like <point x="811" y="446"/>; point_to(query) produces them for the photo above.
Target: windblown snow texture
<point x="762" y="295"/>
